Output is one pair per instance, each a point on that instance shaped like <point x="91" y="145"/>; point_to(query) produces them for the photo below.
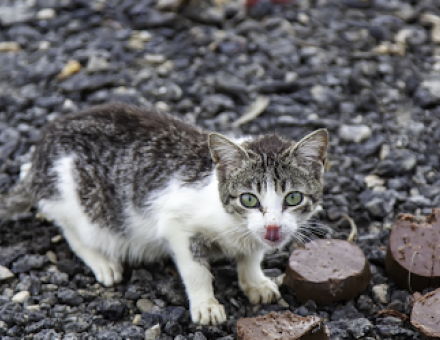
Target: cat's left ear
<point x="312" y="147"/>
<point x="224" y="151"/>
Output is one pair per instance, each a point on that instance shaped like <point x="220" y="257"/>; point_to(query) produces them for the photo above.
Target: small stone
<point x="72" y="67"/>
<point x="111" y="309"/>
<point x="153" y="332"/>
<point x="433" y="86"/>
<point x="358" y="328"/>
<point x="137" y="319"/>
<point x="380" y="293"/>
<point x="52" y="256"/>
<point x="33" y="308"/>
<point x="162" y="106"/>
<point x="435" y="21"/>
<point x="133" y="333"/>
<point x="154" y="58"/>
<point x="108" y="335"/>
<point x="76" y="327"/>
<point x="144" y="305"/>
<point x="366" y="305"/>
<point x="347" y="312"/>
<point x="324" y="96"/>
<point x="70" y="297"/>
<point x="50" y="287"/>
<point x="21" y="296"/>
<point x="5" y="273"/>
<point x="397" y="162"/>
<point x="435" y="34"/>
<point x="173" y="328"/>
<point x="56" y="239"/>
<point x="3" y="328"/>
<point x="168" y="5"/>
<point x="46" y="14"/>
<point x="199" y="336"/>
<point x="97" y="64"/>
<point x="15" y="14"/>
<point x="303" y="18"/>
<point x="43" y="45"/>
<point x="354" y="133"/>
<point x="377" y="207"/>
<point x="8" y="293"/>
<point x="166" y="68"/>
<point x="28" y="262"/>
<point x="373" y="181"/>
<point x="138" y="39"/>
<point x="9" y="46"/>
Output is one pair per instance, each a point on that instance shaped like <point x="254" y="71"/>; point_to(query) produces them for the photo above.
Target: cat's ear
<point x="224" y="151"/>
<point x="312" y="147"/>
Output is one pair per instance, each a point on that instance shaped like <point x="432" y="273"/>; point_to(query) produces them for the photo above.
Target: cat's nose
<point x="272" y="233"/>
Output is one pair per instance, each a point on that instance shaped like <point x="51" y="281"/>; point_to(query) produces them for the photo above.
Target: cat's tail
<point x="19" y="199"/>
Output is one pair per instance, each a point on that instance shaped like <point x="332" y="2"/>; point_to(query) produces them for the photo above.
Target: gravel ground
<point x="371" y="76"/>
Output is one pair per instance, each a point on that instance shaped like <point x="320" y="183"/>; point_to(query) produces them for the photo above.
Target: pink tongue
<point x="272" y="233"/>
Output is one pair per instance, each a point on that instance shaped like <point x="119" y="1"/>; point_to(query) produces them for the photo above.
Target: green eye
<point x="249" y="201"/>
<point x="294" y="198"/>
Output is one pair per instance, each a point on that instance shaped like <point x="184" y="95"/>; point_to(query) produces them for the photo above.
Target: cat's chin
<point x="273" y="244"/>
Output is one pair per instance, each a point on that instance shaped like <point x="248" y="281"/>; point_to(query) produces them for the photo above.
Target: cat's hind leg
<point x="107" y="271"/>
<point x="77" y="230"/>
<point x="93" y="244"/>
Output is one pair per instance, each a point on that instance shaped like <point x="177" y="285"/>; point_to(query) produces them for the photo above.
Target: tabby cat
<point x="128" y="184"/>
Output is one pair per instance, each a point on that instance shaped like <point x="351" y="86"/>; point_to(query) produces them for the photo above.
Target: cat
<point x="130" y="184"/>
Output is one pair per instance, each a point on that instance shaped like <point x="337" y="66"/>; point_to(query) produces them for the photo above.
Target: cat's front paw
<point x="266" y="292"/>
<point x="107" y="272"/>
<point x="209" y="312"/>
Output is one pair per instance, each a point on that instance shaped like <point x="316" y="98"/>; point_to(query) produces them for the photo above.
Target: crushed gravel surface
<point x="370" y="75"/>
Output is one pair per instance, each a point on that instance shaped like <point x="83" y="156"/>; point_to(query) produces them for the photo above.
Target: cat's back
<point x="121" y="142"/>
<point x="119" y="128"/>
<point x="124" y="123"/>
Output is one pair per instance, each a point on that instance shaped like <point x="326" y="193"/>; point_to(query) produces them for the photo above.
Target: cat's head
<point x="270" y="184"/>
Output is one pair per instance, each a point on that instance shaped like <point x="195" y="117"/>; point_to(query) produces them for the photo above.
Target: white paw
<point x="209" y="312"/>
<point x="266" y="292"/>
<point x="107" y="272"/>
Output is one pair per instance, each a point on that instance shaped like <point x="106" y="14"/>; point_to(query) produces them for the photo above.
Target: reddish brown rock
<point x="327" y="271"/>
<point x="425" y="315"/>
<point x="413" y="255"/>
<point x="285" y="326"/>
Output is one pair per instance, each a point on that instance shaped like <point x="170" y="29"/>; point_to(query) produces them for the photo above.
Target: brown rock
<point x="285" y="326"/>
<point x="425" y="316"/>
<point x="413" y="255"/>
<point x="328" y="271"/>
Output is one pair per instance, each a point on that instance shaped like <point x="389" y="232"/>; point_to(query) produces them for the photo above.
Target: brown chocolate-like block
<point x="425" y="315"/>
<point x="285" y="326"/>
<point x="413" y="255"/>
<point x="327" y="271"/>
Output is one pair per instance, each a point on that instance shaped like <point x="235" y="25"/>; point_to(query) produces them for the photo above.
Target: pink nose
<point x="272" y="233"/>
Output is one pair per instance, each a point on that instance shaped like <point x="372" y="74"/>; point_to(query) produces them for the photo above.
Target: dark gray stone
<point x="133" y="333"/>
<point x="359" y="328"/>
<point x="28" y="262"/>
<point x="70" y="297"/>
<point x="108" y="335"/>
<point x="111" y="309"/>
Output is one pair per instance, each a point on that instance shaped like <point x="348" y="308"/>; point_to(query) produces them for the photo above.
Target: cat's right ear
<point x="224" y="151"/>
<point x="312" y="147"/>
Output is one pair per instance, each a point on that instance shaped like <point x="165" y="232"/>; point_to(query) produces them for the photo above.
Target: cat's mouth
<point x="273" y="236"/>
<point x="272" y="233"/>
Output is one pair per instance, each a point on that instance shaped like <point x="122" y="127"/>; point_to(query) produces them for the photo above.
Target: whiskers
<point x="309" y="231"/>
